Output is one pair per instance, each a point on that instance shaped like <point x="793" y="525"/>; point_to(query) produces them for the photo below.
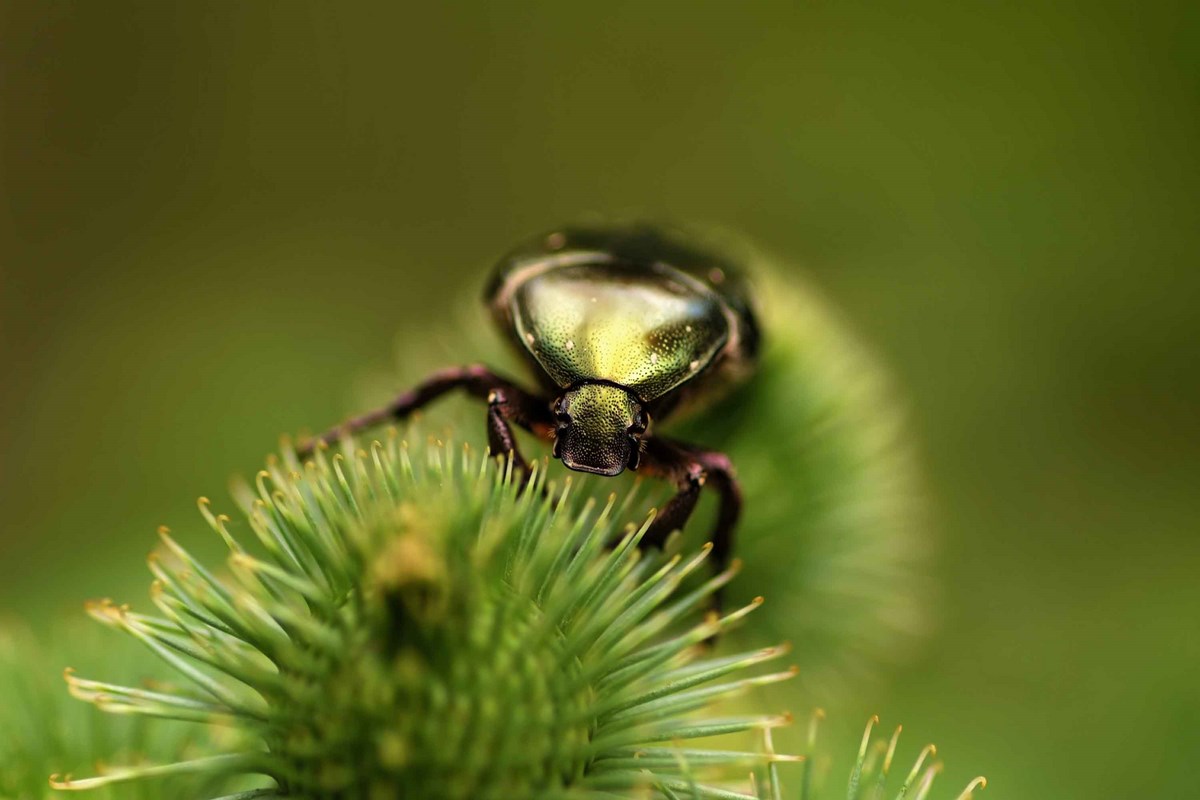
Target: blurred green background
<point x="214" y="219"/>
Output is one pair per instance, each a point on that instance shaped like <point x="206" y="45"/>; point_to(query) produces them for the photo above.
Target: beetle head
<point x="599" y="429"/>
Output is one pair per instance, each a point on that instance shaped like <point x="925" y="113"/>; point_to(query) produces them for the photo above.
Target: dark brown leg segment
<point x="507" y="403"/>
<point x="690" y="469"/>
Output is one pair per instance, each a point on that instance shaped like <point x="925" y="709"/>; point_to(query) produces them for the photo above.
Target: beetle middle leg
<point x="507" y="403"/>
<point x="691" y="469"/>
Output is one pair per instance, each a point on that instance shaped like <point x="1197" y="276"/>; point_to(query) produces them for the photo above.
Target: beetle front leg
<point x="501" y="411"/>
<point x="506" y="401"/>
<point x="691" y="469"/>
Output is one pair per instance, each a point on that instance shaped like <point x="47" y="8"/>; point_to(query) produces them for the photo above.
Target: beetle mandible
<point x="621" y="326"/>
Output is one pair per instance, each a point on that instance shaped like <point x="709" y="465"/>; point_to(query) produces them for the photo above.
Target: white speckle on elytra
<point x="688" y="328"/>
<point x="570" y="344"/>
<point x="694" y="365"/>
<point x="654" y="358"/>
<point x="529" y="338"/>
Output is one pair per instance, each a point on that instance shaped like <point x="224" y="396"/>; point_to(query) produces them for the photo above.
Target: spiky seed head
<point x="416" y="625"/>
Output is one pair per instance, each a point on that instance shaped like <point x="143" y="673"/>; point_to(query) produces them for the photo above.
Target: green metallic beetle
<point x="621" y="326"/>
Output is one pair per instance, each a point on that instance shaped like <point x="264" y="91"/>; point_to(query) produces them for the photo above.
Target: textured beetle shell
<point x="642" y="329"/>
<point x="627" y="306"/>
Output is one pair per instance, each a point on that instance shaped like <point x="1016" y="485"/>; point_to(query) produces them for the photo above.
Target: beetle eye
<point x="640" y="421"/>
<point x="560" y="410"/>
